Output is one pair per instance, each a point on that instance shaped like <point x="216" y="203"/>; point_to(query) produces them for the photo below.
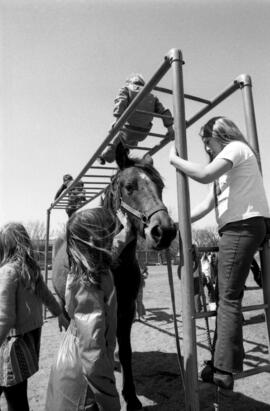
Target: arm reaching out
<point x="202" y="173"/>
<point x="203" y="208"/>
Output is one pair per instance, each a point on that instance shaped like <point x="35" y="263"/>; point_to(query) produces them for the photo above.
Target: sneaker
<point x="207" y="372"/>
<point x="223" y="379"/>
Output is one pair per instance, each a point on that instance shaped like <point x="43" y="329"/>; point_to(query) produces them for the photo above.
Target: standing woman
<point x="240" y="203"/>
<point x="22" y="292"/>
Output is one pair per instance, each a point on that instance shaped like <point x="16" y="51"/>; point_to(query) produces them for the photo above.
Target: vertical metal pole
<point x="246" y="87"/>
<point x="47" y="252"/>
<point x="250" y="119"/>
<point x="187" y="287"/>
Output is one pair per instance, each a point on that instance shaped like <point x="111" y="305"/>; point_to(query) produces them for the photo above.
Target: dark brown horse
<point x="137" y="189"/>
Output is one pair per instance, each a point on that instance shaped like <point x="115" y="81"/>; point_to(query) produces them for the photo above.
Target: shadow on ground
<point x="157" y="378"/>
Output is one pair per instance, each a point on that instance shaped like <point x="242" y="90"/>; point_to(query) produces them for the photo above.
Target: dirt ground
<point x="156" y="371"/>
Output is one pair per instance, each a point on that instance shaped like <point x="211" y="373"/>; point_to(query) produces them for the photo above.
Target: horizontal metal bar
<point x="97" y="188"/>
<point x="94" y="192"/>
<point x="102" y="168"/>
<point x="252" y="371"/>
<point x="156" y="135"/>
<point x="243" y="309"/>
<point x="187" y="96"/>
<point x="97" y="175"/>
<point x="226" y="93"/>
<point x="139" y="148"/>
<point x="254" y="307"/>
<point x="155" y="114"/>
<point x="95" y="182"/>
<point x="163" y="90"/>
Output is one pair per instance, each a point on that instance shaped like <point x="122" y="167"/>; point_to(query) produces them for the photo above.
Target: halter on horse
<point x="137" y="189"/>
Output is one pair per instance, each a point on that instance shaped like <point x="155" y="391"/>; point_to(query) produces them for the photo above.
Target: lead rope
<point x="216" y="404"/>
<point x="179" y="355"/>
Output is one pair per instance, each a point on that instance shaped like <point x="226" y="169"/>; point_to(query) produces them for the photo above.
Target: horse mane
<point x="112" y="193"/>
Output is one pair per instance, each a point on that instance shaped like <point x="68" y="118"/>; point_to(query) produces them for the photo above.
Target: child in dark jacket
<point x="138" y="125"/>
<point x="76" y="196"/>
<point x="67" y="179"/>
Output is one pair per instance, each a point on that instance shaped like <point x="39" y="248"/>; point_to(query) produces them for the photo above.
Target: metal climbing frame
<point x="96" y="178"/>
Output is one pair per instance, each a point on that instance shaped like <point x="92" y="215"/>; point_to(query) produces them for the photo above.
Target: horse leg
<point x="125" y="320"/>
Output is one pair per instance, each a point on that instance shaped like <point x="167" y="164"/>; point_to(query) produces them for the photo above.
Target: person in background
<point x="140" y="308"/>
<point x="22" y="293"/>
<point x="82" y="376"/>
<point x="206" y="269"/>
<point x="238" y="197"/>
<point x="67" y="180"/>
<point x="76" y="198"/>
<point x="138" y="125"/>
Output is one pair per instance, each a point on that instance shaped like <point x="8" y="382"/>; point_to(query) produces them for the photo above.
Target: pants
<point x="16" y="396"/>
<point x="238" y="244"/>
<point x="127" y="137"/>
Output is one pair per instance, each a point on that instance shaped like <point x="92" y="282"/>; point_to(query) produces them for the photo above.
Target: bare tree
<point x="205" y="237"/>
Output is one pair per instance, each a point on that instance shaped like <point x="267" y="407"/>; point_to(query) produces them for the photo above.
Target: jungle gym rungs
<point x="157" y="135"/>
<point x="140" y="148"/>
<point x="154" y="114"/>
<point x="101" y="168"/>
<point x="247" y="308"/>
<point x="95" y="182"/>
<point x="187" y="96"/>
<point x="97" y="176"/>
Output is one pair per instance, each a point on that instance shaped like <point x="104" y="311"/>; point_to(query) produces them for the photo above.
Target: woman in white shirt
<point x="241" y="207"/>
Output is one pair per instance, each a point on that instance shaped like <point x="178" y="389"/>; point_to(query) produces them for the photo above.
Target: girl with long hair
<point x="82" y="377"/>
<point x="238" y="197"/>
<point x="22" y="292"/>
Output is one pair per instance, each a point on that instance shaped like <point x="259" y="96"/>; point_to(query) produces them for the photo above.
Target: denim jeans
<point x="238" y="243"/>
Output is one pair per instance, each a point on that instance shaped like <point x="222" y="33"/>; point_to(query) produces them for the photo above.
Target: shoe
<point x="207" y="372"/>
<point x="101" y="160"/>
<point x="223" y="379"/>
<point x="212" y="306"/>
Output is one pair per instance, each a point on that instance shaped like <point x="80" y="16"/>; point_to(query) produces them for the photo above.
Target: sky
<point x="63" y="61"/>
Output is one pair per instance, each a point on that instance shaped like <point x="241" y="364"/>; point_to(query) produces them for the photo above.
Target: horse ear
<point x="121" y="157"/>
<point x="147" y="159"/>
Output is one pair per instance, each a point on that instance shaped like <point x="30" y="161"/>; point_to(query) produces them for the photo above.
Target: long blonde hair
<point x="89" y="239"/>
<point x="224" y="130"/>
<point x="16" y="247"/>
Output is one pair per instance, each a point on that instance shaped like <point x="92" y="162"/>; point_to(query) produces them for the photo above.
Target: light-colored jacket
<point x="83" y="372"/>
<point x="20" y="307"/>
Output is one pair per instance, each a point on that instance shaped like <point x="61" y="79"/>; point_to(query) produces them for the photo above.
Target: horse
<point x="136" y="188"/>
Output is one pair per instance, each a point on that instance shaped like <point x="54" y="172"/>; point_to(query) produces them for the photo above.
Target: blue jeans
<point x="238" y="243"/>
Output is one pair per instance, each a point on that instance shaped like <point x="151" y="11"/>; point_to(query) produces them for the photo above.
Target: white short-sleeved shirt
<point x="240" y="192"/>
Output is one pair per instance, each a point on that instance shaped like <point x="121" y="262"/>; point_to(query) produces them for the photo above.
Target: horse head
<point x="137" y="189"/>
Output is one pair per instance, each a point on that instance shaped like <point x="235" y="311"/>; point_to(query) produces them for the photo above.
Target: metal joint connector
<point x="174" y="55"/>
<point x="243" y="80"/>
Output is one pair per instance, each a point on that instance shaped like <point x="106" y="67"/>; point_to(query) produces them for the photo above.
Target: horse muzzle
<point x="160" y="231"/>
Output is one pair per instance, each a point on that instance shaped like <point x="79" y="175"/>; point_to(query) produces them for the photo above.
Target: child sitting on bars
<point x="138" y="125"/>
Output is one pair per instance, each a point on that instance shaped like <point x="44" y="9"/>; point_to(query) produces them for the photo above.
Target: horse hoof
<point x="134" y="404"/>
